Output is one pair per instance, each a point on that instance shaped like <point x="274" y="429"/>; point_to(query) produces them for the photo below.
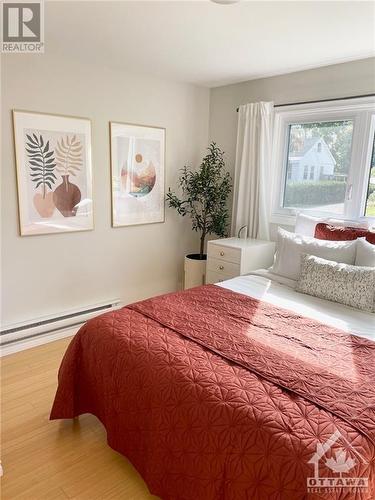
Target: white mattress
<point x="280" y="292"/>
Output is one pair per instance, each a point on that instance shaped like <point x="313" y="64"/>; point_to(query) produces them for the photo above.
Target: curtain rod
<point x="321" y="100"/>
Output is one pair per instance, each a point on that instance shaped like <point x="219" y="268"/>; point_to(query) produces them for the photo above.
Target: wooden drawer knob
<point x="221" y="268"/>
<point x="222" y="253"/>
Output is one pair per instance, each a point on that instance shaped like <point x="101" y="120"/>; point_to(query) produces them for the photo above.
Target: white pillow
<point x="360" y="223"/>
<point x="305" y="224"/>
<point x="291" y="246"/>
<point x="365" y="253"/>
<point x="352" y="286"/>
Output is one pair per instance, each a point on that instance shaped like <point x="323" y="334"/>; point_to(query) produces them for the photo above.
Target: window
<point x="327" y="192"/>
<point x="332" y="148"/>
<point x="305" y="172"/>
<point x="370" y="200"/>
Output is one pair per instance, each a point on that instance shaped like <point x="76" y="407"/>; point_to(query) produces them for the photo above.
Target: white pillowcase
<point x="305" y="224"/>
<point x="365" y="253"/>
<point x="360" y="223"/>
<point x="291" y="246"/>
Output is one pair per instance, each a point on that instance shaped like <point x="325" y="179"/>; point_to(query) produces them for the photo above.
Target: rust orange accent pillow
<point x="335" y="233"/>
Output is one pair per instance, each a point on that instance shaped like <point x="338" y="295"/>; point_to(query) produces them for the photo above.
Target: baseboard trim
<point x="30" y="342"/>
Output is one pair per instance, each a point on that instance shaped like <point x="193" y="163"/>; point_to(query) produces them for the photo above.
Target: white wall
<point x="339" y="80"/>
<point x="48" y="274"/>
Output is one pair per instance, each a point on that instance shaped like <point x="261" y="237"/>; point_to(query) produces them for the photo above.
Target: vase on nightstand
<point x="195" y="270"/>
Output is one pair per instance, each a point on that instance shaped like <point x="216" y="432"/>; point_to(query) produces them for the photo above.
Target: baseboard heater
<point x="49" y="325"/>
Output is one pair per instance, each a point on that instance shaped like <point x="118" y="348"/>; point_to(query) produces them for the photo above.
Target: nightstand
<point x="230" y="257"/>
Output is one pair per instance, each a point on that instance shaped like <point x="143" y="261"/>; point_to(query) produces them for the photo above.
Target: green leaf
<point x="36" y="163"/>
<point x="36" y="157"/>
<point x="31" y="140"/>
<point x="41" y="160"/>
<point x="204" y="195"/>
<point x="51" y="176"/>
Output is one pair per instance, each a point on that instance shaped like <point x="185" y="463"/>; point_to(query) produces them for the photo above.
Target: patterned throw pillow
<point x="334" y="233"/>
<point x="349" y="285"/>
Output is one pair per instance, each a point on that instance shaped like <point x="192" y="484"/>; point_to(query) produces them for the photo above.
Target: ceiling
<point x="210" y="44"/>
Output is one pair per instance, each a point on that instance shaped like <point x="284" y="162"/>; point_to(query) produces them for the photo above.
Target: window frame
<point x="362" y="112"/>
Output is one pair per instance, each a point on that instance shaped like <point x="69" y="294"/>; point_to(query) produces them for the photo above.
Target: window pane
<point x="370" y="205"/>
<point x="317" y="165"/>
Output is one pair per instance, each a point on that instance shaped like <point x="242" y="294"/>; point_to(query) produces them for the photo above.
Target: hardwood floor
<point x="60" y="459"/>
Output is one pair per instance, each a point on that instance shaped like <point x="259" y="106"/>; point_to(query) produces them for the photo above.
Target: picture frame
<point x="54" y="172"/>
<point x="137" y="155"/>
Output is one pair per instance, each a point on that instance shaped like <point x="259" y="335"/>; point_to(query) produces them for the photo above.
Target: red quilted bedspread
<point x="215" y="395"/>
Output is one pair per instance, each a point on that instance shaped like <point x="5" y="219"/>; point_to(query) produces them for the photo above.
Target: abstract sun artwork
<point x="137" y="167"/>
<point x="54" y="173"/>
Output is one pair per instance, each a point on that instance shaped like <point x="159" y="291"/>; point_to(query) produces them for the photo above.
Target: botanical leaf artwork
<point x="68" y="155"/>
<point x="42" y="165"/>
<point x="69" y="161"/>
<point x="42" y="162"/>
<point x="53" y="165"/>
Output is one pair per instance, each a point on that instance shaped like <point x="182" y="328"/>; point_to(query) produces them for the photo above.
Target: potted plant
<point x="204" y="199"/>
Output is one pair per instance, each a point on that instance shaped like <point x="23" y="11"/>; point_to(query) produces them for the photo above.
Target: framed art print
<point x="137" y="173"/>
<point x="54" y="172"/>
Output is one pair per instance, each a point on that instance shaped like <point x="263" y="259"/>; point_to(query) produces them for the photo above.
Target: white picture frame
<point x="54" y="173"/>
<point x="137" y="174"/>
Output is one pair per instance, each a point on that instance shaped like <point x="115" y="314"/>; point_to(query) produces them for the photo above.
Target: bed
<point x="241" y="390"/>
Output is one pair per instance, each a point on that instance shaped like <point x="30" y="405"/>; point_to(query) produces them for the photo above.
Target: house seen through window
<point x="318" y="163"/>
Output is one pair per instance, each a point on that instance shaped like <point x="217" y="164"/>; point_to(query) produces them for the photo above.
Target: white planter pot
<point x="195" y="272"/>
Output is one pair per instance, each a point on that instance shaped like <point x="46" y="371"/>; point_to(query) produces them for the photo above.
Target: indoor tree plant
<point x="204" y="198"/>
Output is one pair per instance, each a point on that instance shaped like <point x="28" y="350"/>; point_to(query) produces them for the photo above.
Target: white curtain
<point x="252" y="178"/>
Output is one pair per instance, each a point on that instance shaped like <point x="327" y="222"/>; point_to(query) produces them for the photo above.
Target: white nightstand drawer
<point x="231" y="257"/>
<point x="221" y="266"/>
<point x="214" y="277"/>
<point x="224" y="253"/>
